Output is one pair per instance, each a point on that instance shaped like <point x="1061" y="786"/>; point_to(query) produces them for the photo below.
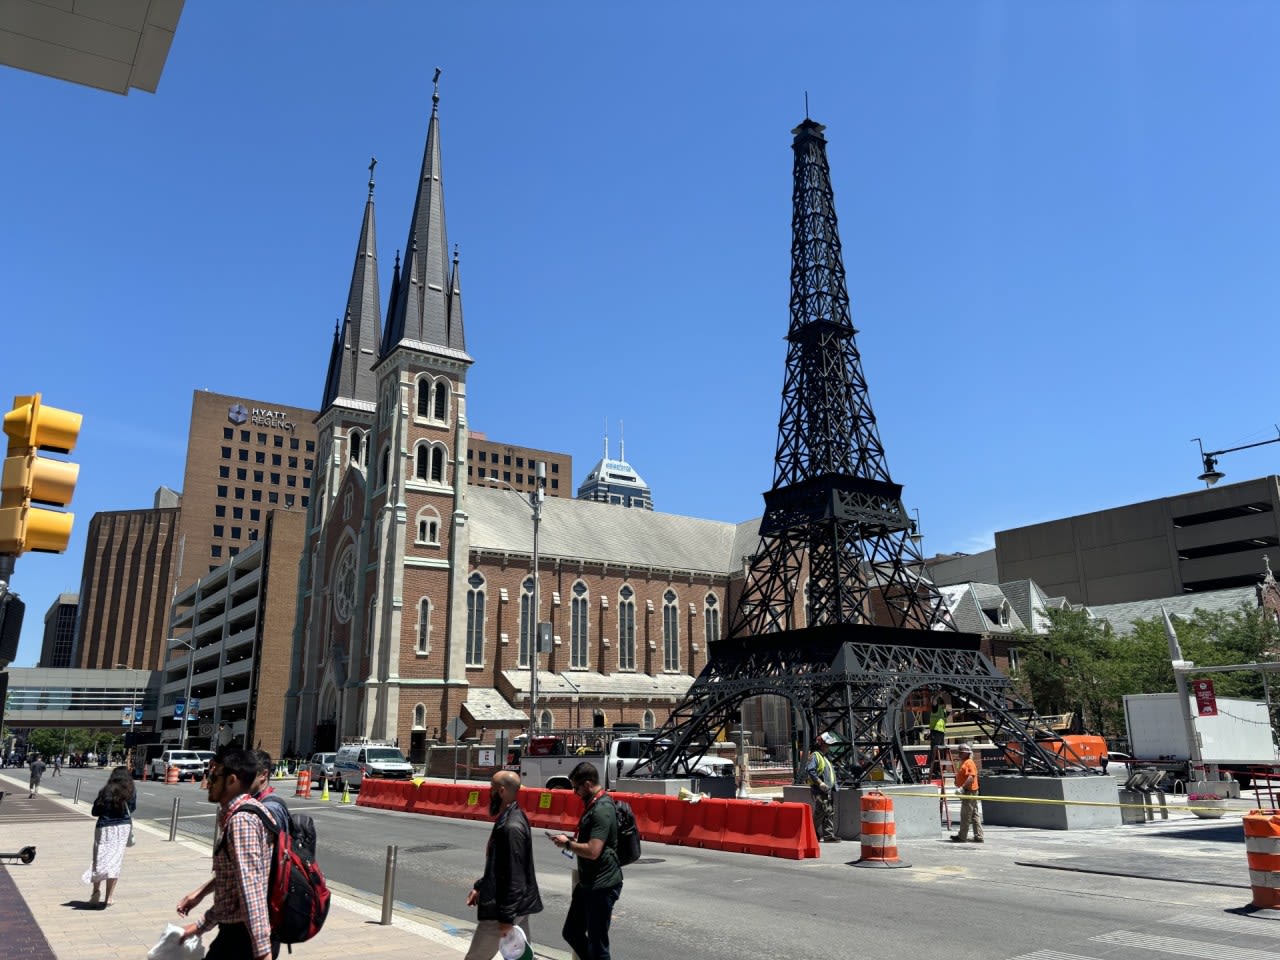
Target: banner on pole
<point x="1206" y="701"/>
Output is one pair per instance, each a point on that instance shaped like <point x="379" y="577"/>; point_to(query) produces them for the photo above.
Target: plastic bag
<point x="171" y="946"/>
<point x="130" y="842"/>
<point x="515" y="946"/>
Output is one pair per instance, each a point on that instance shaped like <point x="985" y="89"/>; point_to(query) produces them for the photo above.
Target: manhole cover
<point x="427" y="848"/>
<point x="650" y="860"/>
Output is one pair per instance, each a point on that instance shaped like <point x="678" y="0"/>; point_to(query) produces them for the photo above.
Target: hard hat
<point x="966" y="748"/>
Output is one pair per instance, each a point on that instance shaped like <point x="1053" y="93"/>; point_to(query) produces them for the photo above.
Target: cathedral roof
<point x="501" y="520"/>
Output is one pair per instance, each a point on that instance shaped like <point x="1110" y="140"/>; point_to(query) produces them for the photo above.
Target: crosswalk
<point x="1202" y="937"/>
<point x="19" y="808"/>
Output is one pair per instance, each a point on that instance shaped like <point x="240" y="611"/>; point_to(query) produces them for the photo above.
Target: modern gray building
<point x="1211" y="539"/>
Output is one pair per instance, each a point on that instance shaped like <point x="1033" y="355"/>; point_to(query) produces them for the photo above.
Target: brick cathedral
<point x="416" y="588"/>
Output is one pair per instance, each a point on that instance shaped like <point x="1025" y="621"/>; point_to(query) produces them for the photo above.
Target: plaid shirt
<point x="241" y="871"/>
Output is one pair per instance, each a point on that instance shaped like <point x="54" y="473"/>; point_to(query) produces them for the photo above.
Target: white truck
<point x="1238" y="739"/>
<point x="547" y="762"/>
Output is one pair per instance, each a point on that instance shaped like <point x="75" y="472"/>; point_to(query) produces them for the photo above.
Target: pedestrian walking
<point x="241" y="866"/>
<point x="507" y="893"/>
<point x="586" y="927"/>
<point x="967" y="784"/>
<point x="821" y="774"/>
<point x="57" y="766"/>
<point x="113" y="807"/>
<point x="37" y="771"/>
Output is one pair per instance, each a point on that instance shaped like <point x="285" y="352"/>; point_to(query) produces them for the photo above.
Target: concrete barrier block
<point x="1049" y="815"/>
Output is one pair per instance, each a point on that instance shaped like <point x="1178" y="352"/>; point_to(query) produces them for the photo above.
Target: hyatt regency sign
<point x="238" y="413"/>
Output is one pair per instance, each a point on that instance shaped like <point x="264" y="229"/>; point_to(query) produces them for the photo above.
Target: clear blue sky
<point x="1060" y="224"/>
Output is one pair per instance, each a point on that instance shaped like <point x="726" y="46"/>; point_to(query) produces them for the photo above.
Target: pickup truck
<point x="543" y="765"/>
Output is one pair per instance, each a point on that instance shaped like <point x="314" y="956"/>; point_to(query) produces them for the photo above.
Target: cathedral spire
<point x="355" y="346"/>
<point x="427" y="308"/>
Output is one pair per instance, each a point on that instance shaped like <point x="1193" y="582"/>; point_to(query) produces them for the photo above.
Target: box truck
<point x="1238" y="739"/>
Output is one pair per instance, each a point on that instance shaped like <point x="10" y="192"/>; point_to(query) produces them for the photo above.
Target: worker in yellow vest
<point x="967" y="784"/>
<point x="937" y="735"/>
<point x="821" y="774"/>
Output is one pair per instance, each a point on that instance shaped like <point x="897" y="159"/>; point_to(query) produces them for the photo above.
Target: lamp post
<point x="186" y="699"/>
<point x="535" y="504"/>
<point x="133" y="713"/>
<point x="1211" y="473"/>
<point x="577" y="702"/>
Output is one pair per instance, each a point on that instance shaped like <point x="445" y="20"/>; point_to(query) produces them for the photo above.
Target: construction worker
<point x="967" y="784"/>
<point x="937" y="735"/>
<point x="821" y="774"/>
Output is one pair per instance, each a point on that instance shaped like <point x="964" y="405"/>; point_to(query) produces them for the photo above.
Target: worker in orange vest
<point x="967" y="784"/>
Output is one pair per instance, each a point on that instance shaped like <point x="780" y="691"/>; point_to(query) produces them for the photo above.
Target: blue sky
<point x="1060" y="226"/>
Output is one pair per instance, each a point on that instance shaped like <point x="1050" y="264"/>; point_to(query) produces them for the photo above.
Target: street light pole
<point x="186" y="699"/>
<point x="535" y="504"/>
<point x="133" y="713"/>
<point x="535" y="499"/>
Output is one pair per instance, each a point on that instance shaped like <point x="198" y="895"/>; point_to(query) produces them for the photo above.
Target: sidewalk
<point x="155" y="874"/>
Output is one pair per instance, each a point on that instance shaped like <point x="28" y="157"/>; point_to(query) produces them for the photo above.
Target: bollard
<point x="76" y="798"/>
<point x="389" y="885"/>
<point x="173" y="819"/>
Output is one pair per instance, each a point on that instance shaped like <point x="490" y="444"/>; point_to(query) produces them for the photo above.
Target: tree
<point x="1080" y="664"/>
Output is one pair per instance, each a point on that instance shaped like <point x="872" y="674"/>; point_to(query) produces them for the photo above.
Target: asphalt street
<point x="1130" y="891"/>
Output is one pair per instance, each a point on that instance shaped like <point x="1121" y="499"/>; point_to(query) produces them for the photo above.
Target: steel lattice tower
<point x="877" y="631"/>
<point x="832" y="499"/>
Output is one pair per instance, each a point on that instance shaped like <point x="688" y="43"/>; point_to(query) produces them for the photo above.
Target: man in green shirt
<point x="586" y="927"/>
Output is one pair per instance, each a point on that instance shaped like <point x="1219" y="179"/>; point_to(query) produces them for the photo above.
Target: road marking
<point x="1227" y="924"/>
<point x="1182" y="947"/>
<point x="1052" y="955"/>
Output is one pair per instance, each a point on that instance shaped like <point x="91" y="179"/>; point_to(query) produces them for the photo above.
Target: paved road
<point x="1087" y="894"/>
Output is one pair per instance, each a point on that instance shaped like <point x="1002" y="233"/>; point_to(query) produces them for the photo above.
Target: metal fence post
<point x="76" y="797"/>
<point x="389" y="885"/>
<point x="173" y="819"/>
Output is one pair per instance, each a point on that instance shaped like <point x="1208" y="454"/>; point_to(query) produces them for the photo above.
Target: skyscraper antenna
<point x="806" y="104"/>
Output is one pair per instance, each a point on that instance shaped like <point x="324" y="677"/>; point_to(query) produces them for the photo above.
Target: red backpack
<point x="297" y="895"/>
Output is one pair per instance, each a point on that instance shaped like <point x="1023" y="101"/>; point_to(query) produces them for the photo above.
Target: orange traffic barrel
<point x="879" y="834"/>
<point x="304" y="785"/>
<point x="1262" y="847"/>
<point x="171" y="774"/>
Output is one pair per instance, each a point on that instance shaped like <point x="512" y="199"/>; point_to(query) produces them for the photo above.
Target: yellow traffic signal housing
<point x="30" y="478"/>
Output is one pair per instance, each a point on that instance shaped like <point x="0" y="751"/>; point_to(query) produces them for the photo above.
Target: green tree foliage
<point x="50" y="741"/>
<point x="1081" y="665"/>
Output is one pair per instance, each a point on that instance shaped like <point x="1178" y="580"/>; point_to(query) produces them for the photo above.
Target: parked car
<point x="322" y="768"/>
<point x="188" y="762"/>
<point x="354" y="762"/>
<point x="207" y="756"/>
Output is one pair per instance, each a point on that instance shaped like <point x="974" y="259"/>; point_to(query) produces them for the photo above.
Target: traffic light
<point x="11" y="611"/>
<point x="30" y="478"/>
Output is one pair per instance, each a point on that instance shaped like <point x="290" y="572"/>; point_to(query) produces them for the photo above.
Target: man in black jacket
<point x="508" y="891"/>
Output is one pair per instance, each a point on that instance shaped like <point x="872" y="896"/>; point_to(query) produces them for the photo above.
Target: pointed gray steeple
<point x="422" y="310"/>
<point x="355" y="348"/>
<point x="457" y="335"/>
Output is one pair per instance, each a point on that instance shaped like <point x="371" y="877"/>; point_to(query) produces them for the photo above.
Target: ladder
<point x="944" y="768"/>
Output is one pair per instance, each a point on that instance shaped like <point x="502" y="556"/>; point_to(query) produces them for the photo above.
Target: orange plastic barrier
<point x="879" y="833"/>
<point x="703" y="824"/>
<point x="171" y="774"/>
<point x="737" y="825"/>
<point x="303" y="788"/>
<point x="372" y="794"/>
<point x="1262" y="848"/>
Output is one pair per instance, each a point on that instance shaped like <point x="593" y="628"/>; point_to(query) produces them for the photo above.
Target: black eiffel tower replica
<point x="877" y="630"/>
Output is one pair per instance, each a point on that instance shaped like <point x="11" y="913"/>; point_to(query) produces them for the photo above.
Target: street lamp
<point x="577" y="702"/>
<point x="1211" y="473"/>
<point x="915" y="536"/>
<point x="535" y="504"/>
<point x="133" y="711"/>
<point x="186" y="699"/>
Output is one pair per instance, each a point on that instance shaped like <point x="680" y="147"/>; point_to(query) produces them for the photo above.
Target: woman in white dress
<point x="115" y="802"/>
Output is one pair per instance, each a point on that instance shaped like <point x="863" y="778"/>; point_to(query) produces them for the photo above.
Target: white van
<point x="355" y="761"/>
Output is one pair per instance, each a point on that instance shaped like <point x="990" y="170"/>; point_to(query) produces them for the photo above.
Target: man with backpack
<point x="586" y="927"/>
<point x="241" y="865"/>
<point x="508" y="891"/>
